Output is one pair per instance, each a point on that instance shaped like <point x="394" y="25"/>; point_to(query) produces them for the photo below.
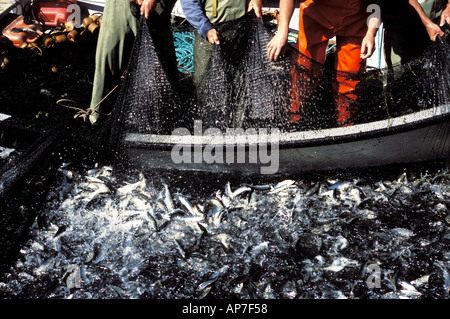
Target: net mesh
<point x="242" y="88"/>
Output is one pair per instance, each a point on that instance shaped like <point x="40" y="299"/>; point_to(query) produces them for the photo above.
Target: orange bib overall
<point x="319" y="21"/>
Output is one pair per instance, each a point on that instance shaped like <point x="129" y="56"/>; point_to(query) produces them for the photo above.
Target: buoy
<point x="49" y="42"/>
<point x="93" y="28"/>
<point x="5" y="62"/>
<point x="70" y="25"/>
<point x="60" y="38"/>
<point x="87" y="21"/>
<point x="73" y="36"/>
<point x="95" y="17"/>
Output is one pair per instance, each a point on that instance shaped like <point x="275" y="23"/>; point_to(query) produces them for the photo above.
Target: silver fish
<point x="99" y="257"/>
<point x="403" y="232"/>
<point x="167" y="198"/>
<point x="129" y="188"/>
<point x="180" y="249"/>
<point x="189" y="219"/>
<point x="205" y="284"/>
<point x="341" y="185"/>
<point x="407" y="286"/>
<point x="92" y="179"/>
<point x="286" y="184"/>
<point x="421" y="281"/>
<point x="240" y="190"/>
<point x="214" y="278"/>
<point x="259" y="187"/>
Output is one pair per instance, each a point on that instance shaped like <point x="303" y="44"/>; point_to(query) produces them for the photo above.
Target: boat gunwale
<point x="311" y="138"/>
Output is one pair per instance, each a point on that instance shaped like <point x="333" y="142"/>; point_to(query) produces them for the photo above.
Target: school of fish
<point x="101" y="236"/>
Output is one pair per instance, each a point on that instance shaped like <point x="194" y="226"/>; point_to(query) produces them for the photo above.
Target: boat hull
<point x="417" y="137"/>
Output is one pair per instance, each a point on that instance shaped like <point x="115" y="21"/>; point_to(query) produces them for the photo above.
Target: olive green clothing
<point x="228" y="11"/>
<point x="120" y="23"/>
<point x="232" y="10"/>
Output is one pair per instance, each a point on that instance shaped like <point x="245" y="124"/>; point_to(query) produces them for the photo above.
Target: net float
<point x="73" y="36"/>
<point x="60" y="38"/>
<point x="4" y="62"/>
<point x="87" y="21"/>
<point x="93" y="28"/>
<point x="49" y="42"/>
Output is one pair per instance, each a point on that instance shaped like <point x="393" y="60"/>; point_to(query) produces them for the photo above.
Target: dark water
<point x="381" y="233"/>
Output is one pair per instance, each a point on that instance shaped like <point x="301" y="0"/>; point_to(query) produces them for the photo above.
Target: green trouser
<point x="120" y="23"/>
<point x="233" y="10"/>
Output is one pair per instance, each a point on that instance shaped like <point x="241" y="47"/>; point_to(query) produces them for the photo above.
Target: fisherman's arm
<point x="433" y="29"/>
<point x="147" y="6"/>
<point x="445" y="16"/>
<point x="256" y="5"/>
<point x="277" y="45"/>
<point x="368" y="43"/>
<point x="193" y="11"/>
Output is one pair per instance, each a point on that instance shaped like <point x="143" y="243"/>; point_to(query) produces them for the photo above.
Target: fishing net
<point x="242" y="88"/>
<point x="148" y="98"/>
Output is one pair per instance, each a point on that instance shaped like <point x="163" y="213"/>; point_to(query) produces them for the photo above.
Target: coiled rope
<point x="184" y="50"/>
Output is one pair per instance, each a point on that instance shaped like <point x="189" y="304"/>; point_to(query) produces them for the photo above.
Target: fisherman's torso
<point x="347" y="18"/>
<point x="341" y="7"/>
<point x="225" y="10"/>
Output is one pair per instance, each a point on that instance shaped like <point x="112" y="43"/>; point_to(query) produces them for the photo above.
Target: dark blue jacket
<point x="195" y="14"/>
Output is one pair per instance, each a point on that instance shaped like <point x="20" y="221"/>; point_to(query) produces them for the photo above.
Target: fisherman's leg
<point x="119" y="27"/>
<point x="348" y="65"/>
<point x="236" y="40"/>
<point x="162" y="37"/>
<point x="202" y="57"/>
<point x="159" y="26"/>
<point x="164" y="46"/>
<point x="312" y="43"/>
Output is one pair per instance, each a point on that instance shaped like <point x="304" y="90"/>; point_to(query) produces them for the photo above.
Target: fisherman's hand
<point x="147" y="7"/>
<point x="277" y="46"/>
<point x="445" y="16"/>
<point x="367" y="46"/>
<point x="256" y="5"/>
<point x="433" y="31"/>
<point x="139" y="2"/>
<point x="213" y="36"/>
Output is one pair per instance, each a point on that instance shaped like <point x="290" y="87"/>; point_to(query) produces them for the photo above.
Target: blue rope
<point x="331" y="48"/>
<point x="184" y="50"/>
<point x="380" y="45"/>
